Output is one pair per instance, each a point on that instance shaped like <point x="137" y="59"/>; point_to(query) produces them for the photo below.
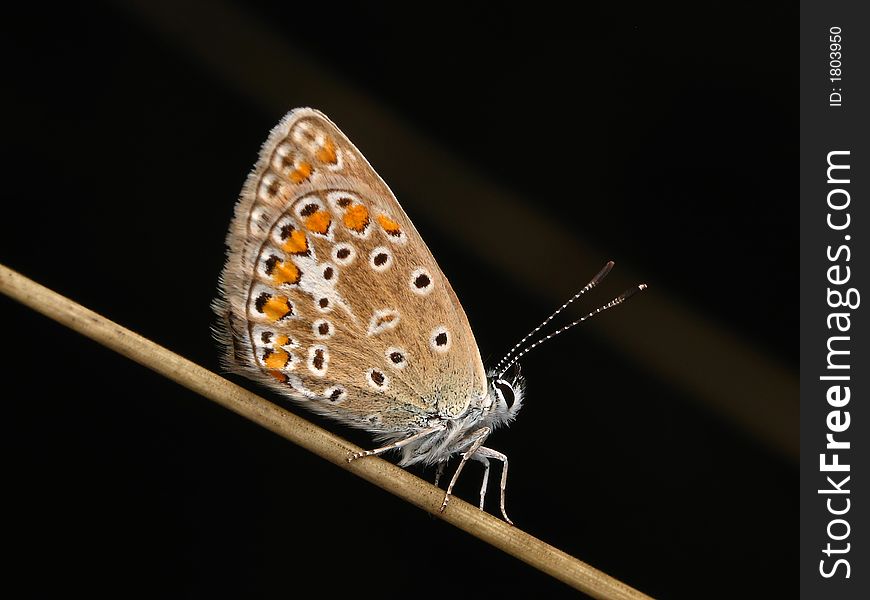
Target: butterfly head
<point x="505" y="398"/>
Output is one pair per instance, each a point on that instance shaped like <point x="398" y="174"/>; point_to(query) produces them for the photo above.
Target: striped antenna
<point x="595" y="281"/>
<point x="615" y="302"/>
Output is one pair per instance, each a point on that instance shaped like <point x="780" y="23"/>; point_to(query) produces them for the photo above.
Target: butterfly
<point x="330" y="297"/>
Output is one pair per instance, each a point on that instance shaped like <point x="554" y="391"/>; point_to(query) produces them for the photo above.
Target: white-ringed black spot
<point x="322" y="329"/>
<point x="335" y="394"/>
<point x="396" y="357"/>
<point x="318" y="360"/>
<point x="380" y="259"/>
<point x="377" y="379"/>
<point x="343" y="254"/>
<point x="421" y="282"/>
<point x="328" y="272"/>
<point x="440" y="339"/>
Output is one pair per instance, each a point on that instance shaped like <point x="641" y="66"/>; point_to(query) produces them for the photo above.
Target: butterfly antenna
<point x="615" y="302"/>
<point x="595" y="281"/>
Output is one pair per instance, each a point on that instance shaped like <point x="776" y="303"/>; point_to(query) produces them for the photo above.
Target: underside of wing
<point x="330" y="296"/>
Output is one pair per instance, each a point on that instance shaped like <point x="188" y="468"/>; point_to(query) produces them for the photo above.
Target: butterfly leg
<point x="478" y="437"/>
<point x="479" y="457"/>
<point x="484" y="452"/>
<point x="394" y="445"/>
<point x="439" y="471"/>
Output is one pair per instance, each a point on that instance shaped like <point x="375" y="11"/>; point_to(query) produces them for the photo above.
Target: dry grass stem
<point x="385" y="475"/>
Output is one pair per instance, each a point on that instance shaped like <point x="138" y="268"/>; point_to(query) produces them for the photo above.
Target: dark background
<point x="664" y="137"/>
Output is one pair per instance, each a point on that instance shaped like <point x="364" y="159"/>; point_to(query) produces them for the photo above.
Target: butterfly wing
<point x="330" y="296"/>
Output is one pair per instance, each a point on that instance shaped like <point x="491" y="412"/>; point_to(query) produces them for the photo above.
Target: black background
<point x="670" y="135"/>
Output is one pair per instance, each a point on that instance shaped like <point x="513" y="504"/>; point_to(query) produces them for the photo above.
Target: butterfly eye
<point x="505" y="391"/>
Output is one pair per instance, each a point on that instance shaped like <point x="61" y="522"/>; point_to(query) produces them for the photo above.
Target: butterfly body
<point x="330" y="297"/>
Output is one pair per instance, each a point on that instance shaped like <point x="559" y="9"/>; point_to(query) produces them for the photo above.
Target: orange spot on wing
<point x="281" y="340"/>
<point x="327" y="152"/>
<point x="276" y="308"/>
<point x="279" y="376"/>
<point x="318" y="222"/>
<point x="389" y="225"/>
<point x="277" y="359"/>
<point x="356" y="217"/>
<point x="285" y="272"/>
<point x="296" y="243"/>
<point x="301" y="173"/>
